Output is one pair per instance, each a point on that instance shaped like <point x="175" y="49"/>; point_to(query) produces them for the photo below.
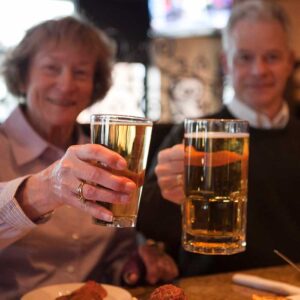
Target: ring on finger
<point x="179" y="179"/>
<point x="79" y="191"/>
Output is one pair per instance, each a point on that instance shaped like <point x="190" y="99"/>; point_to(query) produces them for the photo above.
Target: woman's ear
<point x="23" y="88"/>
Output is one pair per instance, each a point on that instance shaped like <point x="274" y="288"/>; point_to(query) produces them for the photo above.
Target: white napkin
<point x="295" y="297"/>
<point x="256" y="282"/>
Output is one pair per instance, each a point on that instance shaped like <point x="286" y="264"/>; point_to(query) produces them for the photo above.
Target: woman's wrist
<point x="28" y="198"/>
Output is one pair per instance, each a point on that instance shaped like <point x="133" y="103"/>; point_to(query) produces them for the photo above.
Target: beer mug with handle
<point x="215" y="182"/>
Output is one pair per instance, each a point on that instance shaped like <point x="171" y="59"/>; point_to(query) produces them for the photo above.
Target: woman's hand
<point x="151" y="264"/>
<point x="58" y="184"/>
<point x="169" y="172"/>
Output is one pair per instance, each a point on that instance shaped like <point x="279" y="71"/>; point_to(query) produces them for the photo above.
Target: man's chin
<point x="259" y="99"/>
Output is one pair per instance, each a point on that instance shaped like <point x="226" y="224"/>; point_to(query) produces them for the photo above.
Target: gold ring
<point x="179" y="179"/>
<point x="80" y="192"/>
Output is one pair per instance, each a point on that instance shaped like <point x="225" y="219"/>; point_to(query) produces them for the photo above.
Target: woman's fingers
<point x="104" y="177"/>
<point x="98" y="193"/>
<point x="78" y="166"/>
<point x="92" y="208"/>
<point x="90" y="152"/>
<point x="72" y="165"/>
<point x="62" y="181"/>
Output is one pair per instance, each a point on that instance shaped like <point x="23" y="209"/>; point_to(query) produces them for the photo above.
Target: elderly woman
<point x="46" y="234"/>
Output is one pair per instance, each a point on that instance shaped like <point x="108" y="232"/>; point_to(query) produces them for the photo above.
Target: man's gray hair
<point x="256" y="10"/>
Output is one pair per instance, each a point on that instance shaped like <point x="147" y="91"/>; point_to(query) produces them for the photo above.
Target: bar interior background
<point x="164" y="70"/>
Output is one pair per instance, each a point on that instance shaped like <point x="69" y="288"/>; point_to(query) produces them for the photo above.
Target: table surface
<point x="220" y="286"/>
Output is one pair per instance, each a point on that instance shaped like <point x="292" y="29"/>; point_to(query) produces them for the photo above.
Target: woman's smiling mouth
<point x="62" y="103"/>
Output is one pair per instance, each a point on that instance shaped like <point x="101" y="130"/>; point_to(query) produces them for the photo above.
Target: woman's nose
<point x="66" y="81"/>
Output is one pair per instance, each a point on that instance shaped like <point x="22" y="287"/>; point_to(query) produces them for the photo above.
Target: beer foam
<point x="216" y="135"/>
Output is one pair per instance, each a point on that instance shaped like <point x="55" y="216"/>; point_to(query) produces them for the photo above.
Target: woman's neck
<point x="59" y="136"/>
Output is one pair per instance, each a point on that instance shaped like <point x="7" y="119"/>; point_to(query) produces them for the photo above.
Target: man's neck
<point x="270" y="111"/>
<point x="258" y="118"/>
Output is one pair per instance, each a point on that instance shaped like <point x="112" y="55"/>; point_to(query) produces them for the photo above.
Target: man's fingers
<point x="159" y="265"/>
<point x="170" y="168"/>
<point x="169" y="182"/>
<point x="174" y="153"/>
<point x="175" y="195"/>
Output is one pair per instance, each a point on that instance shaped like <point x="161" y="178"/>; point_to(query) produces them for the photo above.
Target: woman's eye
<point x="82" y="74"/>
<point x="51" y="68"/>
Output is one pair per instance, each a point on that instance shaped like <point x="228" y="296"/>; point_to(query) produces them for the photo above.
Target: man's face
<point x="258" y="63"/>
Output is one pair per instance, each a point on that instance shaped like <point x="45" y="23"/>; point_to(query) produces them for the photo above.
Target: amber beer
<point x="216" y="177"/>
<point x="130" y="137"/>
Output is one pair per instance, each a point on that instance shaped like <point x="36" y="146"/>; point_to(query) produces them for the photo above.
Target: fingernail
<point x="130" y="186"/>
<point x="125" y="198"/>
<point x="152" y="280"/>
<point x="106" y="217"/>
<point x="131" y="278"/>
<point x="121" y="164"/>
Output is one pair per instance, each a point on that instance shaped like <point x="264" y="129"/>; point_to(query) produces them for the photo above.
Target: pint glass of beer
<point x="215" y="182"/>
<point x="130" y="137"/>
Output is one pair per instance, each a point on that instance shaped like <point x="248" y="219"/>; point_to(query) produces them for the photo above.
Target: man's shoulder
<point x="293" y="127"/>
<point x="294" y="121"/>
<point x="223" y="113"/>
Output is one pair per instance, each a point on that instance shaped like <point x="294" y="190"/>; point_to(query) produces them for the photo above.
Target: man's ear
<point x="23" y="88"/>
<point x="224" y="62"/>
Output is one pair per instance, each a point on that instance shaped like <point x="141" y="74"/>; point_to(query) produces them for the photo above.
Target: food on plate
<point x="258" y="297"/>
<point x="168" y="292"/>
<point x="91" y="290"/>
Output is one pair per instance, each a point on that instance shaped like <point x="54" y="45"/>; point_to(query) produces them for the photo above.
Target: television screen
<point x="188" y="17"/>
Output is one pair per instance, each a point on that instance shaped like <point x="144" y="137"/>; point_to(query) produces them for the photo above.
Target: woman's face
<point x="59" y="84"/>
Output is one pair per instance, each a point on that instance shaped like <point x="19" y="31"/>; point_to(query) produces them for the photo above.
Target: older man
<point x="258" y="61"/>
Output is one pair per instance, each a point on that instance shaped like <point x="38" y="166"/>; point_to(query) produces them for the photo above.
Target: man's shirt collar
<point x="256" y="119"/>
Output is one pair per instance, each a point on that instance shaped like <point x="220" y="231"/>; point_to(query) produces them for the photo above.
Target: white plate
<point x="53" y="291"/>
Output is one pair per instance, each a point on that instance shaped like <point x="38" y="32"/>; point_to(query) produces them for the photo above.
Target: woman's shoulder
<point x="4" y="141"/>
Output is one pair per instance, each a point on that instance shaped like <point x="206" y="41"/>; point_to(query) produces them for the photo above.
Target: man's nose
<point x="259" y="66"/>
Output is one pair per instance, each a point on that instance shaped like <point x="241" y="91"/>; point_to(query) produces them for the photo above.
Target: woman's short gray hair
<point x="73" y="30"/>
<point x="262" y="10"/>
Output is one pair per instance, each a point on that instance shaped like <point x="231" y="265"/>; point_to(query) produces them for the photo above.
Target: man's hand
<point x="152" y="264"/>
<point x="169" y="172"/>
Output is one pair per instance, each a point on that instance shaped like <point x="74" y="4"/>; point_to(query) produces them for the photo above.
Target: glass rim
<point x="211" y="120"/>
<point x="120" y="118"/>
